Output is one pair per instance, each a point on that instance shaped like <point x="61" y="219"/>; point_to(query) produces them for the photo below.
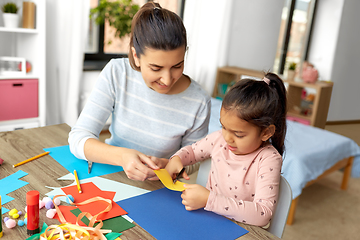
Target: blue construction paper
<point x="63" y="156"/>
<point x="162" y="214"/>
<point x="10" y="184"/>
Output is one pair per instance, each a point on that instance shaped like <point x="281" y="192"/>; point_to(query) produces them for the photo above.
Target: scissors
<point x="179" y="174"/>
<point x="89" y="166"/>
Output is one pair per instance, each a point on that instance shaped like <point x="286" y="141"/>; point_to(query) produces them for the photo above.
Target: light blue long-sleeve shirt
<point x="142" y="119"/>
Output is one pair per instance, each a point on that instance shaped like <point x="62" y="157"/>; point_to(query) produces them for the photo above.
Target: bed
<point x="310" y="154"/>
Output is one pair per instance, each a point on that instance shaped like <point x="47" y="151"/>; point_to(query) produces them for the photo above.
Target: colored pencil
<point x="30" y="159"/>
<point x="77" y="181"/>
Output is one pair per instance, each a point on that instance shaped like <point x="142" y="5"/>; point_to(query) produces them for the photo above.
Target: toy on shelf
<point x="309" y="73"/>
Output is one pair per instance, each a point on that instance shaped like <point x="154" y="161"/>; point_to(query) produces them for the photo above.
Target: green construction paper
<point x="116" y="224"/>
<point x="37" y="236"/>
<point x="112" y="236"/>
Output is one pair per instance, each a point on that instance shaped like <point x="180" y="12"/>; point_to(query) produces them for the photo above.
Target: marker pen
<point x="32" y="202"/>
<point x="1" y="233"/>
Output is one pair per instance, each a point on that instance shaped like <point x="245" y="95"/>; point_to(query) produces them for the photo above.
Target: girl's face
<point x="162" y="70"/>
<point x="241" y="136"/>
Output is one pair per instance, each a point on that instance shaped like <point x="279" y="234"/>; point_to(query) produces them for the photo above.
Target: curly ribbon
<point x="69" y="231"/>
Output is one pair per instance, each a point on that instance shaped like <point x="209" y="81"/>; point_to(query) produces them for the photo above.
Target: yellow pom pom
<point x="13" y="211"/>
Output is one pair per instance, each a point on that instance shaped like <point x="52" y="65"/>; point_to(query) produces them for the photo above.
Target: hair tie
<point x="265" y="79"/>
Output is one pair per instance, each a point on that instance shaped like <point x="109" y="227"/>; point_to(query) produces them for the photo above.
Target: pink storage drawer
<point x="18" y="99"/>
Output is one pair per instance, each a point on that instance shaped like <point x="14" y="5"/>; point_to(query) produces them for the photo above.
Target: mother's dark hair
<point x="157" y="28"/>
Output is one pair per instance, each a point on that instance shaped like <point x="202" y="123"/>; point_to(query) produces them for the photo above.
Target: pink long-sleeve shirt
<point x="242" y="187"/>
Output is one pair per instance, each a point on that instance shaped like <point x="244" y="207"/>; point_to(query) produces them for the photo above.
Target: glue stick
<point x="32" y="202"/>
<point x="1" y="233"/>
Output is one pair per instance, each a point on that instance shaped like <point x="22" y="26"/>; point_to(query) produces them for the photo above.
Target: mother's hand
<point x="138" y="166"/>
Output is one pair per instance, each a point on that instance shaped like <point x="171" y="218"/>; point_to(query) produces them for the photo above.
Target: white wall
<point x="254" y="33"/>
<point x="345" y="100"/>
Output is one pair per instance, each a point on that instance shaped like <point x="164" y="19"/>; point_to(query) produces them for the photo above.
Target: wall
<point x="254" y="34"/>
<point x="345" y="69"/>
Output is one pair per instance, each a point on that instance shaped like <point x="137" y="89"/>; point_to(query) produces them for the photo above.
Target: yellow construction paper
<point x="166" y="179"/>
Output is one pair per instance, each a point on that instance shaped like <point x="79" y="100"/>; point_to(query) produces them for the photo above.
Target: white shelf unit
<point x="31" y="45"/>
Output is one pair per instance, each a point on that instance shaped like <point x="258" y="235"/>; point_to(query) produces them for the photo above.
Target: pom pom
<point x="57" y="201"/>
<point x="69" y="197"/>
<point x="25" y="221"/>
<point x="51" y="196"/>
<point x="15" y="215"/>
<point x="21" y="223"/>
<point x="20" y="213"/>
<point x="25" y="208"/>
<point x="10" y="223"/>
<point x="6" y="218"/>
<point x="13" y="211"/>
<point x="46" y="199"/>
<point x="51" y="213"/>
<point x="25" y="215"/>
<point x="49" y="205"/>
<point x="41" y="204"/>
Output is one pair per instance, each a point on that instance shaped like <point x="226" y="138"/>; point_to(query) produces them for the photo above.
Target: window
<point x="295" y="32"/>
<point x="99" y="51"/>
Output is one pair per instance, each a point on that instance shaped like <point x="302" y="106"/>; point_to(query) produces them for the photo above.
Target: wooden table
<point x="18" y="145"/>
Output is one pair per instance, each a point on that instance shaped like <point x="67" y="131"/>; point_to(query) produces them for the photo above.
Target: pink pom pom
<point x="46" y="199"/>
<point x="57" y="201"/>
<point x="51" y="213"/>
<point x="41" y="204"/>
<point x="10" y="223"/>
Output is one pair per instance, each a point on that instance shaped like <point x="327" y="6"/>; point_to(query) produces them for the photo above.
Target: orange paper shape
<point x="166" y="179"/>
<point x="90" y="190"/>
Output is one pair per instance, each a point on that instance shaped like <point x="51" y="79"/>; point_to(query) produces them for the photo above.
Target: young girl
<point x="243" y="182"/>
<point x="155" y="108"/>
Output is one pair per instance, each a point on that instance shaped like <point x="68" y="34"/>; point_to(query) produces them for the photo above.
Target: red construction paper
<point x="90" y="190"/>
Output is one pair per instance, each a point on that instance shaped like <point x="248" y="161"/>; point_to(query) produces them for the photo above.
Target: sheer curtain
<point x="67" y="25"/>
<point x="207" y="23"/>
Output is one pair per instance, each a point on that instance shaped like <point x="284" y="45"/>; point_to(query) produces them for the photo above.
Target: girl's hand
<point x="194" y="196"/>
<point x="138" y="166"/>
<point x="174" y="167"/>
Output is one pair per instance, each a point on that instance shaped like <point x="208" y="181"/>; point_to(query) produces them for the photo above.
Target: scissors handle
<point x="179" y="174"/>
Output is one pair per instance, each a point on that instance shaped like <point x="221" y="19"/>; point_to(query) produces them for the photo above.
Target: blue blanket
<point x="309" y="151"/>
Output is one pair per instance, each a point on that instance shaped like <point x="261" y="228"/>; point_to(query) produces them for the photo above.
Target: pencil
<point x="77" y="181"/>
<point x="30" y="159"/>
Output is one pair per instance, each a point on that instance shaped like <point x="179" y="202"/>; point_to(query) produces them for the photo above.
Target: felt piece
<point x="9" y="184"/>
<point x="161" y="213"/>
<point x="90" y="190"/>
<point x="122" y="190"/>
<point x="168" y="182"/>
<point x="116" y="224"/>
<point x="112" y="236"/>
<point x="37" y="235"/>
<point x="64" y="157"/>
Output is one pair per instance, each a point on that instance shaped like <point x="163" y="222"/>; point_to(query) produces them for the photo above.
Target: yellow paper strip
<point x="166" y="179"/>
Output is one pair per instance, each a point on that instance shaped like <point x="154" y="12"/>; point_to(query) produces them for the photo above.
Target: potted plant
<point x="11" y="19"/>
<point x="118" y="14"/>
<point x="291" y="71"/>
